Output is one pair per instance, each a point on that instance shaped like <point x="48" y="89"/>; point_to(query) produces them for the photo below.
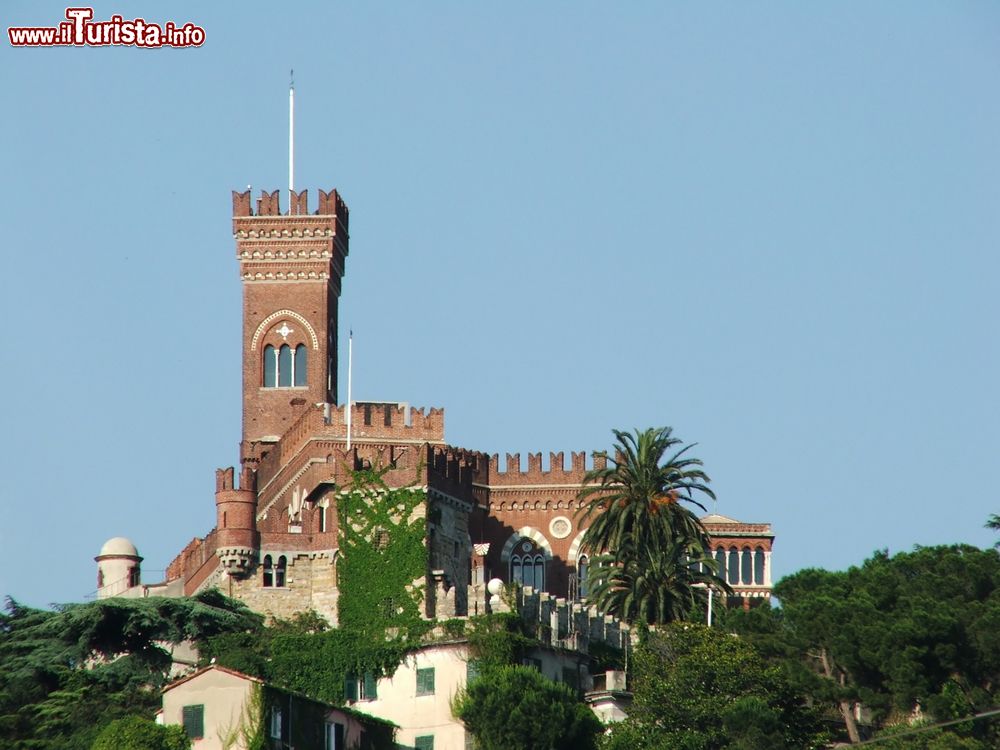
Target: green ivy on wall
<point x="499" y="640"/>
<point x="382" y="565"/>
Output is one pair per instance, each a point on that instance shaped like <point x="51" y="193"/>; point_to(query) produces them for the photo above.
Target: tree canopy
<point x="914" y="633"/>
<point x="137" y="733"/>
<point x="513" y="706"/>
<point x="67" y="672"/>
<point x="698" y="688"/>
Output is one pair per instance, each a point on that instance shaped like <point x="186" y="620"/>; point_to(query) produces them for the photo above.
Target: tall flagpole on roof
<point x="350" y="363"/>
<point x="291" y="136"/>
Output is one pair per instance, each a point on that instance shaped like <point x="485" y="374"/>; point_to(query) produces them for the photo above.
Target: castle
<point x="275" y="543"/>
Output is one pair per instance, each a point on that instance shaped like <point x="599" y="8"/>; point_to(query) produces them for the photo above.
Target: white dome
<point x="119" y="545"/>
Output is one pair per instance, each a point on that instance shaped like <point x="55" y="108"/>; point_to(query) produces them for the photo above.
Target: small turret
<point x="118" y="567"/>
<point x="236" y="522"/>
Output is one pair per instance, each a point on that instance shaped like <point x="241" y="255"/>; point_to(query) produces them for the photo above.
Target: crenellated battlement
<point x="385" y="420"/>
<point x="570" y="624"/>
<point x="454" y="470"/>
<point x="535" y="472"/>
<point x="224" y="479"/>
<point x="269" y="204"/>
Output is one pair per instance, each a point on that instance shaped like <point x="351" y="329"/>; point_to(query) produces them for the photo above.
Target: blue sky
<point x="772" y="226"/>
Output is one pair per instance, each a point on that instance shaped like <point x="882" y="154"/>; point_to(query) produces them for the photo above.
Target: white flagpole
<point x="291" y="136"/>
<point x="350" y="357"/>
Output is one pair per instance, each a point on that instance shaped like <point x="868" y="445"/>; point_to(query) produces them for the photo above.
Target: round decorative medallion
<point x="526" y="546"/>
<point x="560" y="526"/>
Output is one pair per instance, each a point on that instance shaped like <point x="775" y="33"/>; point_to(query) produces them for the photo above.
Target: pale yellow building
<point x="221" y="709"/>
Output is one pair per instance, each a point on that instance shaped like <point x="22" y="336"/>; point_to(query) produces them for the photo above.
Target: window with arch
<point x="285" y="367"/>
<point x="582" y="566"/>
<point x="720" y="558"/>
<point x="279" y="572"/>
<point x="268" y="568"/>
<point x="527" y="565"/>
<point x="746" y="567"/>
<point x="758" y="567"/>
<point x="734" y="565"/>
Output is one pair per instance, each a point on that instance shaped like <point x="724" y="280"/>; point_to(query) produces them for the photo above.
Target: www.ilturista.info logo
<point x="79" y="30"/>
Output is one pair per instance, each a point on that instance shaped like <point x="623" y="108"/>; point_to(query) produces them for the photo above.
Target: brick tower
<point x="291" y="265"/>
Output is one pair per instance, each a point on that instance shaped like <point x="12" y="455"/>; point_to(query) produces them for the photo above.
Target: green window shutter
<point x="370" y="692"/>
<point x="351" y="688"/>
<point x="425" y="681"/>
<point x="426" y="742"/>
<point x="193" y="718"/>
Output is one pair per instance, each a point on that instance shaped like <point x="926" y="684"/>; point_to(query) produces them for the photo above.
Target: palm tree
<point x="993" y="522"/>
<point x="635" y="502"/>
<point x="652" y="586"/>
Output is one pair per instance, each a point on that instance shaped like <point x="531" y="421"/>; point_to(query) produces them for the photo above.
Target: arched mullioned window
<point x="268" y="572"/>
<point x="758" y="567"/>
<point x="734" y="565"/>
<point x="285" y="367"/>
<point x="720" y="558"/>
<point x="746" y="567"/>
<point x="527" y="565"/>
<point x="279" y="571"/>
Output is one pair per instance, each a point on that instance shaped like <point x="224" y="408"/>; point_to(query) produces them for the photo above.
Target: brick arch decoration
<point x="527" y="532"/>
<point x="266" y="322"/>
<point x="574" y="548"/>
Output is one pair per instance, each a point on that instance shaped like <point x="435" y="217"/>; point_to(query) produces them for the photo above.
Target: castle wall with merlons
<point x="310" y="583"/>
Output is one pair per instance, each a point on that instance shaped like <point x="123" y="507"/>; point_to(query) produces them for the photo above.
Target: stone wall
<point x="310" y="583"/>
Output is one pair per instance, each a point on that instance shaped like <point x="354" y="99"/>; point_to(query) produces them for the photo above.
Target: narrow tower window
<point x="734" y="565"/>
<point x="285" y="366"/>
<point x="268" y="573"/>
<point x="581" y="576"/>
<point x="270" y="367"/>
<point x="300" y="369"/>
<point x="758" y="567"/>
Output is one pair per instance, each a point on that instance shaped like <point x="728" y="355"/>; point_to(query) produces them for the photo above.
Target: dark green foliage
<point x="604" y="657"/>
<point x="499" y="640"/>
<point x="64" y="674"/>
<point x="650" y="585"/>
<point x="383" y="563"/>
<point x="697" y="688"/>
<point x="516" y="707"/>
<point x="920" y="627"/>
<point x="137" y="733"/>
<point x="916" y="737"/>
